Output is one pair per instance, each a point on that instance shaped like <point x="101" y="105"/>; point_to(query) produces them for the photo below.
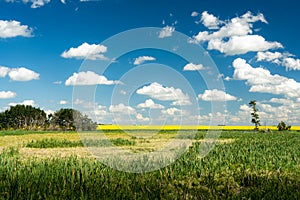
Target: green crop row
<point x="56" y="143"/>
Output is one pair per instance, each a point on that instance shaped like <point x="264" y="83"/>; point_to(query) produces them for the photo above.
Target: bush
<point x="283" y="127"/>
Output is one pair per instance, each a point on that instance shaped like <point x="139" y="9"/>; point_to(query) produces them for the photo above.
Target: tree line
<point x="27" y="117"/>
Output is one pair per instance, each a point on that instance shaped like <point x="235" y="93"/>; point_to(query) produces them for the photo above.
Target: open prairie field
<point x="242" y="165"/>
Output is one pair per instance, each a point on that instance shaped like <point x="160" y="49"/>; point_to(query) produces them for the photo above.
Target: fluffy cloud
<point x="210" y="21"/>
<point x="216" y="95"/>
<point x="63" y="102"/>
<point x="149" y="103"/>
<point x="86" y="51"/>
<point x="167" y="31"/>
<point x="235" y="36"/>
<point x="269" y="56"/>
<point x="244" y="107"/>
<point x="238" y="26"/>
<point x="242" y="44"/>
<point x="25" y="102"/>
<point x="159" y="92"/>
<point x="194" y="14"/>
<point x="100" y="111"/>
<point x="291" y="63"/>
<point x="3" y="71"/>
<point x="278" y="58"/>
<point x="193" y="67"/>
<point x="141" y="118"/>
<point x="121" y="109"/>
<point x="288" y="111"/>
<point x="281" y="101"/>
<point x="9" y="29"/>
<point x="23" y="74"/>
<point x="89" y="78"/>
<point x="261" y="80"/>
<point x="19" y="74"/>
<point x="171" y="111"/>
<point x="227" y="78"/>
<point x="142" y="59"/>
<point x="38" y="3"/>
<point x="34" y="3"/>
<point x="7" y="94"/>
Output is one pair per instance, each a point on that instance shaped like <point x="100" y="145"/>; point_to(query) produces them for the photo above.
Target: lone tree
<point x="255" y="117"/>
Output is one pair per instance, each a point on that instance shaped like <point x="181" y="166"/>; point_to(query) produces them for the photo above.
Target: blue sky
<point x="66" y="53"/>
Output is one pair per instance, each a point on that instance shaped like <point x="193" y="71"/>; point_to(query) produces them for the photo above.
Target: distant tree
<point x="3" y="122"/>
<point x="22" y="117"/>
<point x="255" y="117"/>
<point x="64" y="119"/>
<point x="283" y="127"/>
<point x="29" y="117"/>
<point x="70" y="119"/>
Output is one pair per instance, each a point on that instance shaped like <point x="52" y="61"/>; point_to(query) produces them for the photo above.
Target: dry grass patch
<point x="55" y="152"/>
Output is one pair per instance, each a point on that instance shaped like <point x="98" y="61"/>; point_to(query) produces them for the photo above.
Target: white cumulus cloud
<point x="234" y="37"/>
<point x="3" y="71"/>
<point x="63" y="102"/>
<point x="34" y="3"/>
<point x="37" y="3"/>
<point x="149" y="103"/>
<point x="121" y="109"/>
<point x="216" y="95"/>
<point x="193" y="67"/>
<point x="269" y="56"/>
<point x="291" y="63"/>
<point x="171" y="111"/>
<point x="261" y="80"/>
<point x="89" y="78"/>
<point x="284" y="59"/>
<point x="238" y="26"/>
<point x="18" y="74"/>
<point x="7" y="94"/>
<point x="210" y="21"/>
<point x="194" y="14"/>
<point x="9" y="29"/>
<point x="167" y="31"/>
<point x="86" y="51"/>
<point x="23" y="74"/>
<point x="242" y="44"/>
<point x="159" y="92"/>
<point x="143" y="59"/>
<point x="141" y="118"/>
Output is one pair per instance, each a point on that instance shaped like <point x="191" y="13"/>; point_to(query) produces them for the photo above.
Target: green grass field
<point x="242" y="165"/>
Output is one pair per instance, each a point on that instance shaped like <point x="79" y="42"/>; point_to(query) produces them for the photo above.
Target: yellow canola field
<point x="186" y="127"/>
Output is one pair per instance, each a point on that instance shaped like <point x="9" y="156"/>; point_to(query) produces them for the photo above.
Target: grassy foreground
<point x="250" y="166"/>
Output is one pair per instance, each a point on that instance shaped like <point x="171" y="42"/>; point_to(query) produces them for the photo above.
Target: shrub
<point x="283" y="127"/>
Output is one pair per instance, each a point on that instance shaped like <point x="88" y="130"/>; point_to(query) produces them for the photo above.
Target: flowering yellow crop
<point x="186" y="127"/>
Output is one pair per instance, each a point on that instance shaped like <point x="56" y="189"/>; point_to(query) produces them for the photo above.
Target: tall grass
<point x="56" y="143"/>
<point x="254" y="166"/>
